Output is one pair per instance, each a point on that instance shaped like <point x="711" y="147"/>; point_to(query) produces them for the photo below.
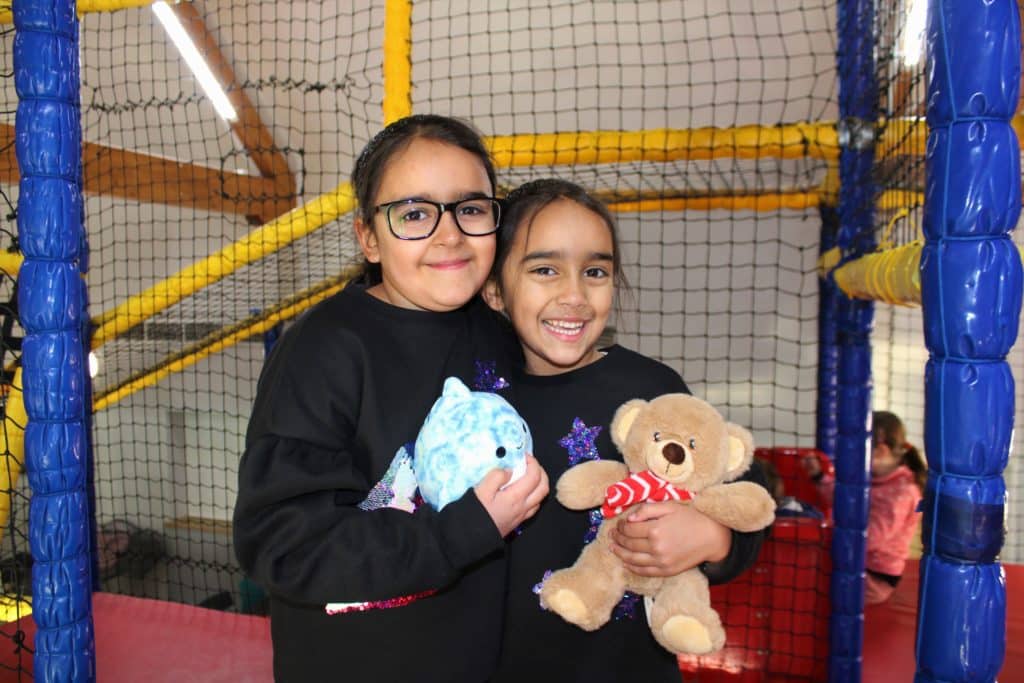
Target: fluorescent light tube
<point x="195" y="61"/>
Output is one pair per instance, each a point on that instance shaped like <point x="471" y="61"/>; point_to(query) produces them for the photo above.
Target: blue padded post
<point x="971" y="297"/>
<point x="51" y="302"/>
<point x="858" y="111"/>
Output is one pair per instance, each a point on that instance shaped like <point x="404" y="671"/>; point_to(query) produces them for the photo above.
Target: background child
<point x="786" y="506"/>
<point x="555" y="277"/>
<point x="343" y="390"/>
<point x="898" y="476"/>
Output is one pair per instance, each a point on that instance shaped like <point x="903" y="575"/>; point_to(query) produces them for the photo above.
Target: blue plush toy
<point x="465" y="435"/>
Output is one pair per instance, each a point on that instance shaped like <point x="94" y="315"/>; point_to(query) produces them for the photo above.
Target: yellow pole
<point x="13" y="444"/>
<point x="759" y="202"/>
<point x="88" y="6"/>
<point x="254" y="325"/>
<point x="792" y="141"/>
<point x="259" y="243"/>
<point x="891" y="276"/>
<point x="10" y="262"/>
<point x="397" y="60"/>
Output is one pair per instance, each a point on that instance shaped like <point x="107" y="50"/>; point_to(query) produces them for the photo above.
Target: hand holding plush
<point x="675" y="447"/>
<point x="465" y="435"/>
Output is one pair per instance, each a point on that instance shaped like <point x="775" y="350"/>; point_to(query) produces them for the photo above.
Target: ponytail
<point x="887" y="428"/>
<point x="913" y="459"/>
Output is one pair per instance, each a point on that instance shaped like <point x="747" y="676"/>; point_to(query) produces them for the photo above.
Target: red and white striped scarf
<point x="639" y="487"/>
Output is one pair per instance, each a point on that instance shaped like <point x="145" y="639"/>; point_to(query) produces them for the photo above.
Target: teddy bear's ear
<point x="741" y="451"/>
<point x="623" y="420"/>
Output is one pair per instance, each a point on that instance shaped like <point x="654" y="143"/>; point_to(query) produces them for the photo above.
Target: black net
<point x="724" y="283"/>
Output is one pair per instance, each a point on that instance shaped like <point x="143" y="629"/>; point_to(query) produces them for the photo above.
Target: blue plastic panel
<point x="971" y="296"/>
<point x="49" y="209"/>
<point x="976" y="195"/>
<point x="969" y="412"/>
<point x="974" y="60"/>
<point x="966" y="520"/>
<point x="962" y="603"/>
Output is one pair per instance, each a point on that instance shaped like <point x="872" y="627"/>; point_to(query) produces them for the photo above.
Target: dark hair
<point x="887" y="428"/>
<point x="523" y="204"/>
<point x="772" y="479"/>
<point x="373" y="161"/>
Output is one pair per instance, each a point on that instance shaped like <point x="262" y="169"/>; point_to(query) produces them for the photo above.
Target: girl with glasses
<point x="555" y="277"/>
<point x="898" y="476"/>
<point x="343" y="390"/>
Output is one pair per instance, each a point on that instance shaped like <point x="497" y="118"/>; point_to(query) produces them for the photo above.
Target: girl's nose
<point x="448" y="230"/>
<point x="572" y="292"/>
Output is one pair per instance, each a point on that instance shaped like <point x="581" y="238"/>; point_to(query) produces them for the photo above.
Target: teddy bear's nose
<point x="674" y="453"/>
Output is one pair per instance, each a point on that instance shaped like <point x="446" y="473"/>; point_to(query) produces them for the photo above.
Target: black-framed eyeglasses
<point x="417" y="219"/>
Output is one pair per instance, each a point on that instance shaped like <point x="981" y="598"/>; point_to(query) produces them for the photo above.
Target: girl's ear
<point x="492" y="295"/>
<point x="367" y="240"/>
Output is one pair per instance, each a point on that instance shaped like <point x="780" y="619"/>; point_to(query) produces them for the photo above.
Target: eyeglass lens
<point x="413" y="219"/>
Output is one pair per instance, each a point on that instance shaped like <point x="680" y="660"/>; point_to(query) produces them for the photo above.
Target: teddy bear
<point x="675" y="447"/>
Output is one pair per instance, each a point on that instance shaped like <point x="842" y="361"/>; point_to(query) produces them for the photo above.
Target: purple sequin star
<point x="487" y="378"/>
<point x="627" y="607"/>
<point x="580" y="442"/>
<point x="538" y="586"/>
<point x="595" y="518"/>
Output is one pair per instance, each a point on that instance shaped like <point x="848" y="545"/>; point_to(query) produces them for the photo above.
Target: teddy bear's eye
<point x="693" y="444"/>
<point x="500" y="452"/>
<point x="657" y="436"/>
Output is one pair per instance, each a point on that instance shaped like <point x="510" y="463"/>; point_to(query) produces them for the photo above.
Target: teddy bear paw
<point x="567" y="604"/>
<point x="686" y="634"/>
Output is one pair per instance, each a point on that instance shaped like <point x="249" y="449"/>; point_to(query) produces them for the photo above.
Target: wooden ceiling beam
<point x="248" y="127"/>
<point x="145" y="178"/>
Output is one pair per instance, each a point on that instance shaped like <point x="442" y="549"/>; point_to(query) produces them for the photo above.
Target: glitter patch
<point x="538" y="586"/>
<point x="487" y="378"/>
<point x="346" y="607"/>
<point x="580" y="442"/>
<point x="626" y="609"/>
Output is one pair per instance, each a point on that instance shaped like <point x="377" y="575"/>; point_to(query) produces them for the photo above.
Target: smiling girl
<point x="347" y="386"/>
<point x="555" y="276"/>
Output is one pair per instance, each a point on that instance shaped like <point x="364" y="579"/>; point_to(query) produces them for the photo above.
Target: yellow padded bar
<point x="87" y="6"/>
<point x="12" y="441"/>
<point x="259" y="243"/>
<point x="397" y="60"/>
<point x="891" y="276"/>
<point x="257" y="324"/>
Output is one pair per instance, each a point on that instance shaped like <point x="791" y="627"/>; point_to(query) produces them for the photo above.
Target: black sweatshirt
<point x="569" y="416"/>
<point x="345" y="387"/>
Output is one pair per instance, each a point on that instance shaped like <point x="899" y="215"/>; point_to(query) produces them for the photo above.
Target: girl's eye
<point x="413" y="216"/>
<point x="470" y="210"/>
<point x="596" y="272"/>
<point x="543" y="270"/>
<point x="657" y="436"/>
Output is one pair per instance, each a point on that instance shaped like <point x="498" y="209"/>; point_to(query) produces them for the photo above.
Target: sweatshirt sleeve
<point x="745" y="546"/>
<point x="297" y="530"/>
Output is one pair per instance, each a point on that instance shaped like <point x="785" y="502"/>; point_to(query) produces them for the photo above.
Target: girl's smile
<point x="444" y="271"/>
<point x="558" y="287"/>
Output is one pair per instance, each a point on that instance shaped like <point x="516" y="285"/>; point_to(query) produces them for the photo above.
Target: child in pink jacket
<point x="898" y="476"/>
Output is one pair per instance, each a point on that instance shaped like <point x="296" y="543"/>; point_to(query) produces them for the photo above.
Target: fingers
<point x="532" y="486"/>
<point x="491" y="484"/>
<point x="648" y="511"/>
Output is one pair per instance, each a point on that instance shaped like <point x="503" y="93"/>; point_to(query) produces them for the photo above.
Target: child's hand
<point x="666" y="538"/>
<point x="511" y="506"/>
<point x="811" y="466"/>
